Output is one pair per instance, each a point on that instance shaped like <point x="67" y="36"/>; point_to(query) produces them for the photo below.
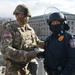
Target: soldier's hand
<point x="41" y="44"/>
<point x="31" y="55"/>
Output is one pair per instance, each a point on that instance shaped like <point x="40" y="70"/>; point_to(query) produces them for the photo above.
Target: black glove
<point x="40" y="55"/>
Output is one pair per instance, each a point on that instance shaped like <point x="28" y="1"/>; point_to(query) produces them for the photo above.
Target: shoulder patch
<point x="72" y="43"/>
<point x="61" y="38"/>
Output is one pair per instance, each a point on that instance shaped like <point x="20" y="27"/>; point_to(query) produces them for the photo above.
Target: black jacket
<point x="59" y="53"/>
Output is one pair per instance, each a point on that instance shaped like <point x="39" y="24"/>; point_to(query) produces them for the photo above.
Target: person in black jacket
<point x="59" y="48"/>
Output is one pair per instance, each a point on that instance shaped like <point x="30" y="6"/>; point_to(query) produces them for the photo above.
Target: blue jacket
<point x="60" y="52"/>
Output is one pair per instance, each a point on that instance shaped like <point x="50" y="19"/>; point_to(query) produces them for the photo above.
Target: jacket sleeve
<point x="70" y="46"/>
<point x="40" y="44"/>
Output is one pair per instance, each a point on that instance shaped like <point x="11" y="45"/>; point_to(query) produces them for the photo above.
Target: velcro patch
<point x="72" y="43"/>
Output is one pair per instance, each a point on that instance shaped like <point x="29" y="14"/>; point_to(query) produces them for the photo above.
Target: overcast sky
<point x="37" y="7"/>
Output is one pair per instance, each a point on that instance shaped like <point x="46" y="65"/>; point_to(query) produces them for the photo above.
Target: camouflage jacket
<point x="16" y="39"/>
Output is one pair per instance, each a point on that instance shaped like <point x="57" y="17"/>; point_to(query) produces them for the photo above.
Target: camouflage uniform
<point x="17" y="47"/>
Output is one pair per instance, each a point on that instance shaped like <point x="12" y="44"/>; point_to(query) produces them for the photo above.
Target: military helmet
<point x="56" y="16"/>
<point x="22" y="9"/>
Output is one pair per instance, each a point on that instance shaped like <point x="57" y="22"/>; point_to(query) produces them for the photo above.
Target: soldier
<point x="59" y="49"/>
<point x="19" y="44"/>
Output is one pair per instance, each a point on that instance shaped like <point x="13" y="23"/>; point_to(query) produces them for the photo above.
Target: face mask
<point x="56" y="28"/>
<point x="23" y="20"/>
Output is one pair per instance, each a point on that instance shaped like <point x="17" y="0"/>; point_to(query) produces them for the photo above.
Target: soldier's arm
<point x="39" y="42"/>
<point x="6" y="43"/>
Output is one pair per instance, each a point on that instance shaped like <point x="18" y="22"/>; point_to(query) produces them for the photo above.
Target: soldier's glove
<point x="31" y="55"/>
<point x="40" y="55"/>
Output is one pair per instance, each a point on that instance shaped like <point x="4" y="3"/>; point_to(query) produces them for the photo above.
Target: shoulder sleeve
<point x="6" y="42"/>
